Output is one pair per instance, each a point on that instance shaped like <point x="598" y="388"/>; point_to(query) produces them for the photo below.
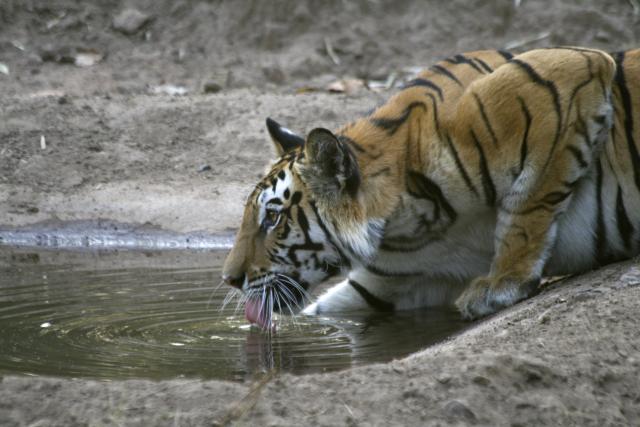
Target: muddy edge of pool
<point x="570" y="356"/>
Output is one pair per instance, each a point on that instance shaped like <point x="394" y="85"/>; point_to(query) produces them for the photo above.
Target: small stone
<point x="63" y="100"/>
<point x="457" y="409"/>
<point x="59" y="54"/>
<point x="444" y="379"/>
<point x="483" y="381"/>
<point x="212" y="87"/>
<point x="631" y="277"/>
<point x="204" y="168"/>
<point x="398" y="369"/>
<point x="274" y="74"/>
<point x="602" y="36"/>
<point x="129" y="21"/>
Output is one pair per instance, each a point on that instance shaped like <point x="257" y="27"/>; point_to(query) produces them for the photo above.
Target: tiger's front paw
<point x="486" y="296"/>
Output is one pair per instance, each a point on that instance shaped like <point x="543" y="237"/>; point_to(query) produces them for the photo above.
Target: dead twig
<point x="332" y="54"/>
<point x="523" y="42"/>
<point x="245" y="404"/>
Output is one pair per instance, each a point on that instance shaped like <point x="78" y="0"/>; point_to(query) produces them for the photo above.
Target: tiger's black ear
<point x="283" y="139"/>
<point x="331" y="169"/>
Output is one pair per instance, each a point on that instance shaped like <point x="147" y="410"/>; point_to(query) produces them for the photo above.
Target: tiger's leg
<point x="527" y="220"/>
<point x="360" y="291"/>
<point x="364" y="291"/>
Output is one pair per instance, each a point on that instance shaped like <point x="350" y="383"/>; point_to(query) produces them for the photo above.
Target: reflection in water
<point x="156" y="315"/>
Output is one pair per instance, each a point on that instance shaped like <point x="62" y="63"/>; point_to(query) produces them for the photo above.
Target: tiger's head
<point x="289" y="239"/>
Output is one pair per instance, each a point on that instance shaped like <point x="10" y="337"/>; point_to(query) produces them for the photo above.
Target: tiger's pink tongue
<point x="254" y="313"/>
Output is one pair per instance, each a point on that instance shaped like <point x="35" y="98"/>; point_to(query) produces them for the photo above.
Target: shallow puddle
<point x="135" y="314"/>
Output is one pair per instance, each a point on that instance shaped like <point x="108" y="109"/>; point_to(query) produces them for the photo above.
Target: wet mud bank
<point x="105" y="235"/>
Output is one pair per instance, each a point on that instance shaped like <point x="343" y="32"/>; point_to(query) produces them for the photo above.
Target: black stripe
<point x="578" y="49"/>
<point x="461" y="59"/>
<point x="576" y="89"/>
<point x="344" y="260"/>
<point x="578" y="155"/>
<point x="581" y="129"/>
<point x="373" y="301"/>
<point x="555" y="197"/>
<point x="392" y="125"/>
<point x="386" y="246"/>
<point x="552" y="89"/>
<point x="441" y="70"/>
<point x="461" y="168"/>
<point x="428" y="189"/>
<point x="425" y="83"/>
<point x="506" y="55"/>
<point x="487" y="182"/>
<point x="484" y="65"/>
<point x="434" y="106"/>
<point x="485" y="119"/>
<point x="379" y="272"/>
<point x="628" y="116"/>
<point x="383" y="171"/>
<point x="601" y="230"/>
<point x="625" y="229"/>
<point x="525" y="138"/>
<point x="346" y="140"/>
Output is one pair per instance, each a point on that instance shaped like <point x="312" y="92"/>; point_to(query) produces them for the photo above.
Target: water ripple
<point x="158" y="317"/>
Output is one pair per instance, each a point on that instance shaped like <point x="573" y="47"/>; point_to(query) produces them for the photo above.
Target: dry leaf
<point x="347" y="86"/>
<point x="307" y="89"/>
<point x="169" y="90"/>
<point x="87" y="58"/>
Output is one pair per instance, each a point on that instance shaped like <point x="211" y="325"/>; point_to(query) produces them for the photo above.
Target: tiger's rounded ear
<point x="283" y="139"/>
<point x="331" y="167"/>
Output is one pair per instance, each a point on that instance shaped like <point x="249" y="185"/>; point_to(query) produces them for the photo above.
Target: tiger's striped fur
<point x="481" y="176"/>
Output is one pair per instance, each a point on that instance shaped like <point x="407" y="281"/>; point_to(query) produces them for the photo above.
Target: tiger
<point x="486" y="173"/>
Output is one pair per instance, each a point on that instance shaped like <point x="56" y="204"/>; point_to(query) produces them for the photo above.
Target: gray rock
<point x="457" y="409"/>
<point x="129" y="21"/>
<point x="211" y="87"/>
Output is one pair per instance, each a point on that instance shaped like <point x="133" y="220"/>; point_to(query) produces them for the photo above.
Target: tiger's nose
<point x="236" y="282"/>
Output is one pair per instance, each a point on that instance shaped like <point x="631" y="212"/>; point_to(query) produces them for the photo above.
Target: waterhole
<point x="157" y="315"/>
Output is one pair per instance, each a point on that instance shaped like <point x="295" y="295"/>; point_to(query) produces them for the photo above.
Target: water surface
<point x="137" y="314"/>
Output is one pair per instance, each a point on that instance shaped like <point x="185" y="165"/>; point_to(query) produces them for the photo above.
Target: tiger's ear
<point x="283" y="139"/>
<point x="331" y="169"/>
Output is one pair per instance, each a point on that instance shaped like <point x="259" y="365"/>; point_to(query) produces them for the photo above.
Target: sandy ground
<point x="82" y="143"/>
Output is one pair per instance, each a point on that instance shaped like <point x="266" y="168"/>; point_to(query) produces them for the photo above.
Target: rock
<point x="59" y="54"/>
<point x="274" y="74"/>
<point x="204" y="168"/>
<point x="129" y="21"/>
<point x="457" y="409"/>
<point x="631" y="277"/>
<point x="480" y="380"/>
<point x="444" y="379"/>
<point x="211" y="87"/>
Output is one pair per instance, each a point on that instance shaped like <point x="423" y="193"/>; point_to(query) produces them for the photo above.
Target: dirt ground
<point x="88" y="132"/>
